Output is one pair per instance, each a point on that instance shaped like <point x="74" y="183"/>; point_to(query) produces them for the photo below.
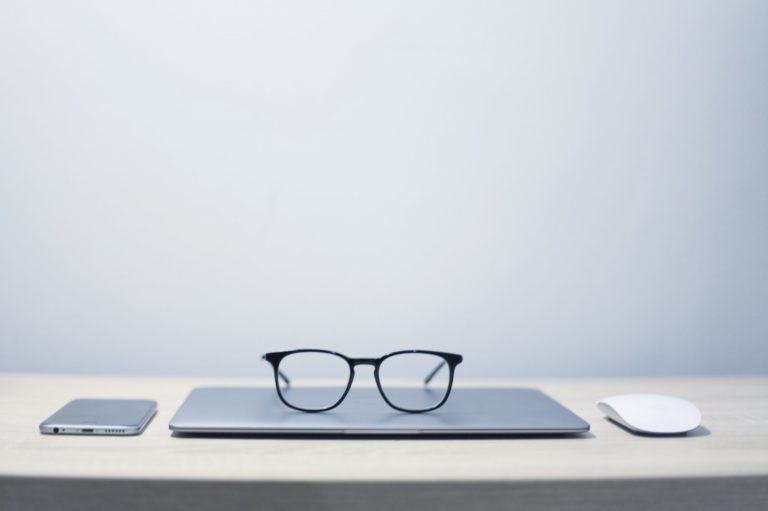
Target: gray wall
<point x="550" y="188"/>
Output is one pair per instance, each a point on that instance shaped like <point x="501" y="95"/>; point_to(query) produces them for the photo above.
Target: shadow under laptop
<point x="391" y="436"/>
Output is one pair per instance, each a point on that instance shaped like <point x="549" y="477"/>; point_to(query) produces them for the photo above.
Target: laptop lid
<point x="476" y="411"/>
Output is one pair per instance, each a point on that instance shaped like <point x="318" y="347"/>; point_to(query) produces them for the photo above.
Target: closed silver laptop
<point x="475" y="411"/>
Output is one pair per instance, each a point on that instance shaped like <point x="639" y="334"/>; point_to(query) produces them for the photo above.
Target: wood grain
<point x="732" y="445"/>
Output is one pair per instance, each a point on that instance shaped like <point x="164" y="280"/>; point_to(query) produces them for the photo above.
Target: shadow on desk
<point x="698" y="432"/>
<point x="701" y="494"/>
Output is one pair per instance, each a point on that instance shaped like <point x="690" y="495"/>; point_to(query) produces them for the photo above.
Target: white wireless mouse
<point x="652" y="413"/>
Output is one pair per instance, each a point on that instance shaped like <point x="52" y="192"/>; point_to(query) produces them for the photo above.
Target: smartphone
<point x="100" y="417"/>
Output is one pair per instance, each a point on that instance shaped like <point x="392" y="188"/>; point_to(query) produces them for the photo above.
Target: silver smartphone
<point x="100" y="417"/>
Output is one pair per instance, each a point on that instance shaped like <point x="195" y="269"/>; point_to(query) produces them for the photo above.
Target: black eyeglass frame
<point x="449" y="359"/>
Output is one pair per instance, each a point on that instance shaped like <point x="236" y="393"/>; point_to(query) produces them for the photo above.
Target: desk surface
<point x="732" y="442"/>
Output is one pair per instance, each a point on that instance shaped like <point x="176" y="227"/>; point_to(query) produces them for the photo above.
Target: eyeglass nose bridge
<point x="363" y="362"/>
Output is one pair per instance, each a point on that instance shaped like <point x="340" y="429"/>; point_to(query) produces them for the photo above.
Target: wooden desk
<point x="722" y="466"/>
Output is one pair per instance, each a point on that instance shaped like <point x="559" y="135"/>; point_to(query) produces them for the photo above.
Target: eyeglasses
<point x="301" y="370"/>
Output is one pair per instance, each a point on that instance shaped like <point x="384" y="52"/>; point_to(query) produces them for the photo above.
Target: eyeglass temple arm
<point x="280" y="374"/>
<point x="283" y="377"/>
<point x="434" y="372"/>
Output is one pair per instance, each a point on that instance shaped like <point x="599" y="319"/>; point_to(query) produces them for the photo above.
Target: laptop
<point x="468" y="411"/>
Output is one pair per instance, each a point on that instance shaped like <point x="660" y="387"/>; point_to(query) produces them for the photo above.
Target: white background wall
<point x="550" y="188"/>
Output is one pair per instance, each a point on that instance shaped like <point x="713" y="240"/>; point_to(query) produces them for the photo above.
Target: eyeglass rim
<point x="275" y="357"/>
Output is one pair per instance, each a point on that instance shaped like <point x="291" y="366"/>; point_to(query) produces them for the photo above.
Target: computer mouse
<point x="652" y="413"/>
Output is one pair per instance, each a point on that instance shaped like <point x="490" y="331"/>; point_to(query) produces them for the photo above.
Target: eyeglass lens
<point x="317" y="380"/>
<point x="403" y="380"/>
